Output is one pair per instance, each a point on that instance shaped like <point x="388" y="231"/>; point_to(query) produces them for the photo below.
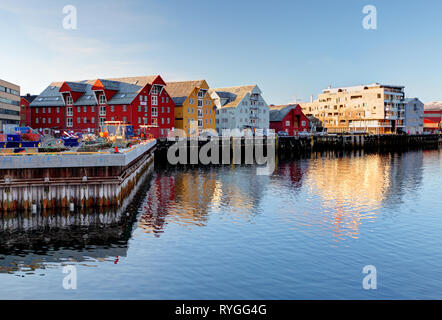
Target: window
<point x="69" y="122"/>
<point x="84" y="109"/>
<point x="92" y="120"/>
<point x="162" y="99"/>
<point x="154" y="100"/>
<point x="168" y="120"/>
<point x="93" y="108"/>
<point x="139" y="119"/>
<point x="200" y="113"/>
<point x="44" y="120"/>
<point x="69" y="100"/>
<point x="44" y="110"/>
<point x="200" y="103"/>
<point x="102" y="99"/>
<point x="155" y="90"/>
<point x="102" y="111"/>
<point x="162" y="109"/>
<point x="36" y="110"/>
<point x="168" y="109"/>
<point x="36" y="120"/>
<point x="69" y="111"/>
<point x="78" y="120"/>
<point x="124" y="119"/>
<point x="84" y="120"/>
<point x="141" y="98"/>
<point x="49" y="120"/>
<point x="200" y="122"/>
<point x="124" y="108"/>
<point x="58" y="120"/>
<point x="49" y="110"/>
<point x="139" y="108"/>
<point x="79" y="109"/>
<point x="112" y="108"/>
<point x="162" y="120"/>
<point x="145" y="121"/>
<point x="154" y="112"/>
<point x="167" y="101"/>
<point x="58" y="109"/>
<point x="154" y="121"/>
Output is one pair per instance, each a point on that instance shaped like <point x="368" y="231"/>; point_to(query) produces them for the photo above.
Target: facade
<point x="289" y="119"/>
<point x="25" y="110"/>
<point x="414" y="116"/>
<point x="240" y="108"/>
<point x="194" y="107"/>
<point x="83" y="106"/>
<point x="9" y="104"/>
<point x="371" y="108"/>
<point x="433" y="117"/>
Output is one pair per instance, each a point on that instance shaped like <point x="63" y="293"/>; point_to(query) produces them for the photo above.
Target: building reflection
<point x="35" y="241"/>
<point x="352" y="189"/>
<point x="188" y="197"/>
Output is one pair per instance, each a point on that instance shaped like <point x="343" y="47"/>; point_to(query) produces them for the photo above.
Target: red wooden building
<point x="288" y="118"/>
<point x="433" y="120"/>
<point x="83" y="106"/>
<point x="25" y="110"/>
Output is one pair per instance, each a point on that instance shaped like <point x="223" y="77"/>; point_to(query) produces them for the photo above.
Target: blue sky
<point x="288" y="48"/>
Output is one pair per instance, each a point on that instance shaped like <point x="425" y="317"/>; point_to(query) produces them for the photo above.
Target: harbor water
<point x="305" y="232"/>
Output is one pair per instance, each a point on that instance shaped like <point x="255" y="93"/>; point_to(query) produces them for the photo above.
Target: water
<point x="306" y="232"/>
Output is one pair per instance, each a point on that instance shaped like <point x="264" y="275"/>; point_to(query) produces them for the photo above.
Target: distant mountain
<point x="435" y="105"/>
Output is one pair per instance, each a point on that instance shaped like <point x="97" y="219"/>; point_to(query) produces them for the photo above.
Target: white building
<point x="240" y="108"/>
<point x="414" y="116"/>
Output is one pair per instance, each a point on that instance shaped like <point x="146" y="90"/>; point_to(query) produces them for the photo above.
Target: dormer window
<point x="102" y="99"/>
<point x="69" y="101"/>
<point x="202" y="93"/>
<point x="156" y="89"/>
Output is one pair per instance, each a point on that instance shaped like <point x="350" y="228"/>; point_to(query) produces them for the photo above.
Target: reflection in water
<point x="35" y="241"/>
<point x="326" y="198"/>
<point x="340" y="192"/>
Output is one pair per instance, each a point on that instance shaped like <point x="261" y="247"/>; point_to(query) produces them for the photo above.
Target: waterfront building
<point x="373" y="108"/>
<point x="193" y="105"/>
<point x="433" y="117"/>
<point x="289" y="119"/>
<point x="241" y="108"/>
<point x="25" y="109"/>
<point x="9" y="104"/>
<point x="84" y="106"/>
<point x="414" y="116"/>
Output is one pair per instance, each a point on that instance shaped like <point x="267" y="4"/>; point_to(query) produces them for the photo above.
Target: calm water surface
<point x="305" y="232"/>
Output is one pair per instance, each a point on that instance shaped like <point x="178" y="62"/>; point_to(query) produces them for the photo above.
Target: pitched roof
<point x="29" y="98"/>
<point x="127" y="90"/>
<point x="184" y="88"/>
<point x="278" y="113"/>
<point x="234" y="94"/>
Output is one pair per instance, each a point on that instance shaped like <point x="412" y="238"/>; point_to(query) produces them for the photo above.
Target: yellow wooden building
<point x="194" y="108"/>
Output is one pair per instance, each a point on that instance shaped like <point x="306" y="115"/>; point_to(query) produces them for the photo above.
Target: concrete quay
<point x="41" y="181"/>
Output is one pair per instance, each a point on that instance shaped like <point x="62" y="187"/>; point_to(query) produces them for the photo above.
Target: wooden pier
<point x="292" y="147"/>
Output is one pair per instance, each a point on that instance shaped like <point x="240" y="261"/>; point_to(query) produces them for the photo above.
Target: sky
<point x="290" y="49"/>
